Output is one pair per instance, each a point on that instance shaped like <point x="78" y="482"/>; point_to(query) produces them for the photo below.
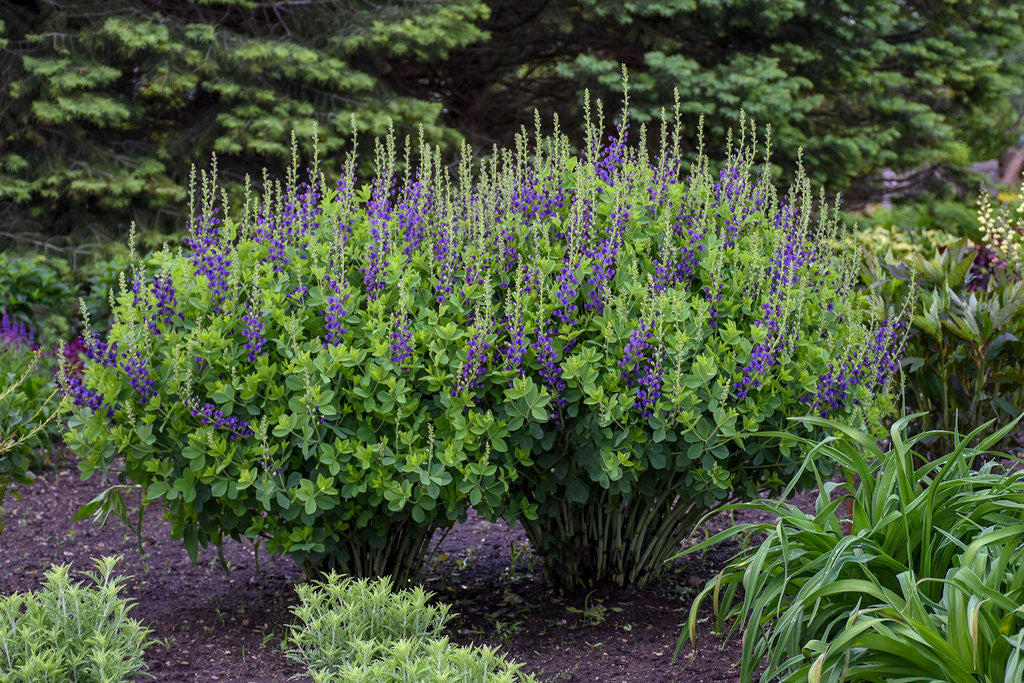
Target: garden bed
<point x="218" y="626"/>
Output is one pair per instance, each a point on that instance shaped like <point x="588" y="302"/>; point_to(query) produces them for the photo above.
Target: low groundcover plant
<point x="923" y="582"/>
<point x="584" y="341"/>
<point x="68" y="631"/>
<point x="363" y="630"/>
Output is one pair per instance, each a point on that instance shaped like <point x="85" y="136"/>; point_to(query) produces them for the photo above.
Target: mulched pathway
<point x="227" y="626"/>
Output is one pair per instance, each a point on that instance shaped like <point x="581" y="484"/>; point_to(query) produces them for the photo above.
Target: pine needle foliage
<point x="107" y="103"/>
<point x="860" y="85"/>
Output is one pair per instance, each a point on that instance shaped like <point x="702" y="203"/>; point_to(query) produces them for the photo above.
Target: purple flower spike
<point x="253" y="331"/>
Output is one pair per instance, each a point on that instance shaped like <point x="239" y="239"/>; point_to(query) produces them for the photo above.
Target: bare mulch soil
<point x="214" y="625"/>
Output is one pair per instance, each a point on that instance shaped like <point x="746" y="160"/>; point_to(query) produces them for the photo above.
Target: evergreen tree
<point x="106" y="103"/>
<point x="860" y="85"/>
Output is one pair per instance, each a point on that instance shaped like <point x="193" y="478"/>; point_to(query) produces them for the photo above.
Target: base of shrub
<point x="399" y="553"/>
<point x="611" y="538"/>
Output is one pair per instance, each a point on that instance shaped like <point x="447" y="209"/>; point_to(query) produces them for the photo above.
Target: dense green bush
<point x="72" y="632"/>
<point x="964" y="361"/>
<point x="362" y="630"/>
<point x="586" y="342"/>
<point x="29" y="404"/>
<point x="928" y="216"/>
<point x="35" y="290"/>
<point x="909" y="569"/>
<point x="45" y="290"/>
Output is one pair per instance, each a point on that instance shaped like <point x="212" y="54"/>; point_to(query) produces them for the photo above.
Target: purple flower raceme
<point x="298" y="295"/>
<point x="209" y="254"/>
<point x="136" y="367"/>
<point x="641" y="366"/>
<point x="253" y="330"/>
<point x="478" y="355"/>
<point x="14" y="332"/>
<point x="613" y="154"/>
<point x="334" y="315"/>
<point x="874" y="367"/>
<point x="378" y="211"/>
<point x="604" y="260"/>
<point x="551" y="372"/>
<point x="401" y="349"/>
<point x="514" y="347"/>
<point x="71" y="385"/>
<point x="210" y="414"/>
<point x="98" y="351"/>
<point x="269" y="234"/>
<point x="164" y="293"/>
<point x="568" y="288"/>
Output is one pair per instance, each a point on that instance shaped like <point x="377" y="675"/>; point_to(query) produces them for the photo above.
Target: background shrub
<point x="362" y="630"/>
<point x="68" y="631"/>
<point x="899" y="244"/>
<point x="964" y="361"/>
<point x="909" y="568"/>
<point x="29" y="404"/>
<point x="35" y="291"/>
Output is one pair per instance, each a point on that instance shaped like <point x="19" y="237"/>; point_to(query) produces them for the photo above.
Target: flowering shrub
<point x="28" y="405"/>
<point x="1002" y="234"/>
<point x="587" y="342"/>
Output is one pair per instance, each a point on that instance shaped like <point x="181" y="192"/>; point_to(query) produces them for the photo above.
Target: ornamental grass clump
<point x="922" y="581"/>
<point x="584" y="341"/>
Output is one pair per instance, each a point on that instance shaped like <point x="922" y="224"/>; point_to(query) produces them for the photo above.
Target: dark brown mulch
<point x="217" y="626"/>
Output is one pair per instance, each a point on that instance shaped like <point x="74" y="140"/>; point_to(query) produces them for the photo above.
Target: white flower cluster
<point x="1001" y="233"/>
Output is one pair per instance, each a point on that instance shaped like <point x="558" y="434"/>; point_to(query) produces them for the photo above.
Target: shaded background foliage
<point x="106" y="103"/>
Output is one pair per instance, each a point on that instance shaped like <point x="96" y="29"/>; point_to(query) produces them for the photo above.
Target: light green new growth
<point x="68" y="631"/>
<point x="362" y="630"/>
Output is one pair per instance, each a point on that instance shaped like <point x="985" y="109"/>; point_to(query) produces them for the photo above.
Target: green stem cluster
<point x="613" y="538"/>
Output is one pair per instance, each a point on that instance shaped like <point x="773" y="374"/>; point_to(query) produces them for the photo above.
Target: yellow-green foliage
<point x="364" y="630"/>
<point x="71" y="632"/>
<point x="900" y="243"/>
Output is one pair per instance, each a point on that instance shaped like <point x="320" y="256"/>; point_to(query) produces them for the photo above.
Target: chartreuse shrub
<point x="363" y="630"/>
<point x="587" y="342"/>
<point x="69" y="631"/>
<point x="900" y="243"/>
<point x="908" y="569"/>
<point x="29" y="404"/>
